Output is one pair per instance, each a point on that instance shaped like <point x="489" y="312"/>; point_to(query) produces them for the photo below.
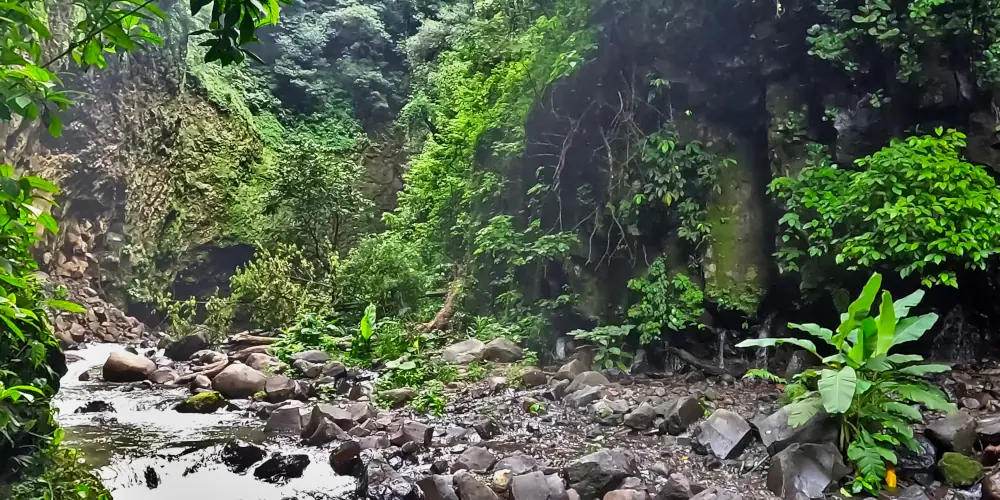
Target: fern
<point x="764" y="375"/>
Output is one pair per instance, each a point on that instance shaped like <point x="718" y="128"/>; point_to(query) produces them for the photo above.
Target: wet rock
<point x="475" y="458"/>
<point x="582" y="397"/>
<point x="725" y="434"/>
<point x="385" y="483"/>
<point x="398" y="397"/>
<point x="122" y="366"/>
<point x="557" y="389"/>
<point x="238" y="381"/>
<point x="260" y="361"/>
<point x="469" y="488"/>
<point x="466" y="351"/>
<point x="486" y="427"/>
<point x="407" y="431"/>
<point x="917" y="466"/>
<point x="340" y="416"/>
<point x="438" y="487"/>
<point x="201" y="382"/>
<point x="96" y="407"/>
<point x="800" y="361"/>
<point x="84" y="377"/>
<point x="501" y="481"/>
<point x="570" y="370"/>
<point x="502" y="350"/>
<point x="533" y="377"/>
<point x="955" y="432"/>
<point x="184" y="348"/>
<point x="988" y="429"/>
<point x="163" y="376"/>
<point x="374" y="442"/>
<point x="991" y="486"/>
<point x="361" y="412"/>
<point x="777" y="434"/>
<point x="321" y="430"/>
<point x="206" y="402"/>
<point x="679" y="414"/>
<point x="959" y="470"/>
<point x="517" y="464"/>
<point x="314" y="356"/>
<point x="595" y="474"/>
<point x="334" y="369"/>
<point x="641" y="418"/>
<point x="344" y="458"/>
<point x="660" y="468"/>
<point x="805" y="470"/>
<point x="288" y="418"/>
<point x="716" y="493"/>
<point x="239" y="456"/>
<point x="625" y="495"/>
<point x="307" y="369"/>
<point x="279" y="388"/>
<point x="281" y="468"/>
<point x="913" y="492"/>
<point x="532" y="486"/>
<point x="587" y="379"/>
<point x="970" y="403"/>
<point x="677" y="488"/>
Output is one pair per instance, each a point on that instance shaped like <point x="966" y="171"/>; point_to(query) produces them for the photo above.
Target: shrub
<point x="278" y="286"/>
<point x="385" y="270"/>
<point x="610" y="344"/>
<point x="310" y="332"/>
<point x="674" y="302"/>
<point x="866" y="384"/>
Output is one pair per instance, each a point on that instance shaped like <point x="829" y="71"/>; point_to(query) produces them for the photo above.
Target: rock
<point x="776" y="434"/>
<point x="716" y="493"/>
<point x="959" y="470"/>
<point x="344" y="458"/>
<point x="537" y="486"/>
<point x="466" y="351"/>
<point x="260" y="361"/>
<point x="314" y="356"/>
<point x="239" y="456"/>
<point x="625" y="495"/>
<point x="279" y="388"/>
<point x="281" y="468"/>
<point x="595" y="474"/>
<point x="679" y="414"/>
<point x="913" y="492"/>
<point x="533" y="377"/>
<point x="917" y="466"/>
<point x="486" y="427"/>
<point x="122" y="366"/>
<point x="361" y="412"/>
<point x="570" y="370"/>
<point x="96" y="407"/>
<point x="84" y="377"/>
<point x="411" y="431"/>
<point x="184" y="348"/>
<point x="469" y="488"/>
<point x="955" y="432"/>
<point x="438" y="487"/>
<point x="582" y="397"/>
<point x="501" y="481"/>
<point x="307" y="369"/>
<point x="991" y="487"/>
<point x="557" y="389"/>
<point x="340" y="416"/>
<point x="201" y="382"/>
<point x="334" y="369"/>
<point x="373" y="442"/>
<point x="660" y="468"/>
<point x="517" y="464"/>
<point x="798" y="362"/>
<point x="321" y="430"/>
<point x="677" y="488"/>
<point x="502" y="350"/>
<point x="163" y="376"/>
<point x="206" y="402"/>
<point x="970" y="403"/>
<point x="398" y="397"/>
<point x="587" y="379"/>
<point x="641" y="418"/>
<point x="288" y="418"/>
<point x="725" y="434"/>
<point x="385" y="483"/>
<point x="238" y="381"/>
<point x="475" y="458"/>
<point x="988" y="429"/>
<point x="805" y="470"/>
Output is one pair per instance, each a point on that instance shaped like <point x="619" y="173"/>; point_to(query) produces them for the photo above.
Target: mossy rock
<point x="959" y="470"/>
<point x="206" y="402"/>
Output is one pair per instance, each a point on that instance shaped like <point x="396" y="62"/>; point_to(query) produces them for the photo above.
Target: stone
<point x="469" y="488"/>
<point x="988" y="429"/>
<point x="531" y="486"/>
<point x="798" y="362"/>
<point x="912" y="492"/>
<point x="206" y="402"/>
<point x="240" y="456"/>
<point x="557" y="389"/>
<point x="517" y="464"/>
<point x="466" y="351"/>
<point x="343" y="459"/>
<point x="991" y="486"/>
<point x="438" y="487"/>
<point x="486" y="427"/>
<point x="557" y="488"/>
<point x="595" y="474"/>
<point x="625" y="495"/>
<point x="805" y="470"/>
<point x="334" y="369"/>
<point x="399" y="397"/>
<point x="201" y="382"/>
<point x="278" y="388"/>
<point x="916" y="466"/>
<point x="570" y="370"/>
<point x="185" y="347"/>
<point x="374" y="442"/>
<point x="163" y="376"/>
<point x="313" y="356"/>
<point x="340" y="416"/>
<point x="641" y="418"/>
<point x="321" y="430"/>
<point x="84" y="377"/>
<point x="96" y="407"/>
<point x="385" y="483"/>
<point x="679" y="414"/>
<point x="123" y="366"/>
<point x="959" y="470"/>
<point x="677" y="488"/>
<point x="533" y="377"/>
<point x="587" y="379"/>
<point x="238" y="381"/>
<point x="582" y="397"/>
<point x="260" y="361"/>
<point x="307" y="369"/>
<point x="475" y="458"/>
<point x="777" y="434"/>
<point x="281" y="467"/>
<point x="955" y="432"/>
<point x="412" y="431"/>
<point x="716" y="493"/>
<point x="502" y="350"/>
<point x="501" y="481"/>
<point x="725" y="434"/>
<point x="288" y="418"/>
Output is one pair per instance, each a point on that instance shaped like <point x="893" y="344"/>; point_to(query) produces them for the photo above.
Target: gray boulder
<point x="677" y="488"/>
<point x="800" y="361"/>
<point x="466" y="351"/>
<point x="678" y="414"/>
<point x="777" y="434"/>
<point x="385" y="483"/>
<point x="289" y="418"/>
<point x="502" y="350"/>
<point x="625" y="494"/>
<point x="411" y="431"/>
<point x="279" y="388"/>
<point x="517" y="464"/>
<point x="469" y="488"/>
<point x="587" y="379"/>
<point x="533" y="377"/>
<point x="988" y="429"/>
<point x="239" y="381"/>
<point x="725" y="434"/>
<point x="594" y="475"/>
<point x="641" y="418"/>
<point x="344" y="457"/>
<point x="260" y="361"/>
<point x="438" y="487"/>
<point x="334" y="369"/>
<point x="307" y="368"/>
<point x="361" y="412"/>
<point x="476" y="459"/>
<point x="320" y="428"/>
<point x="917" y="466"/>
<point x="531" y="486"/>
<point x="805" y="470"/>
<point x="164" y="376"/>
<point x="314" y="356"/>
<point x="123" y="366"/>
<point x="716" y="493"/>
<point x="955" y="432"/>
<point x="398" y="397"/>
<point x="185" y="347"/>
<point x="582" y="397"/>
<point x="570" y="370"/>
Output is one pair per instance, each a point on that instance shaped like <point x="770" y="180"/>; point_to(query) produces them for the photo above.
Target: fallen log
<point x="245" y="353"/>
<point x="697" y="362"/>
<point x="251" y="340"/>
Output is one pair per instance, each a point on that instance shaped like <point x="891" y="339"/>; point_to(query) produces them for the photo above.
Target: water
<point x="763" y="333"/>
<point x="722" y="348"/>
<point x="147" y="451"/>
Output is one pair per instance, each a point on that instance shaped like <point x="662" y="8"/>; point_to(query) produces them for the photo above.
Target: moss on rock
<point x="206" y="402"/>
<point x="959" y="470"/>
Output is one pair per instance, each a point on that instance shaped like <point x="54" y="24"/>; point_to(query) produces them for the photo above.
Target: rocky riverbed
<point x="251" y="432"/>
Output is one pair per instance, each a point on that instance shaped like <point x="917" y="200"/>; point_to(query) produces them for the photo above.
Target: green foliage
<point x="64" y="476"/>
<point x="862" y="381"/>
<point x="384" y="269"/>
<point x="487" y="328"/>
<point x="915" y="207"/>
<point x="671" y="302"/>
<point x="278" y="286"/>
<point x="755" y="373"/>
<point x="537" y="408"/>
<point x="309" y="332"/>
<point x="610" y="343"/>
<point x="475" y="371"/>
<point x="431" y="399"/>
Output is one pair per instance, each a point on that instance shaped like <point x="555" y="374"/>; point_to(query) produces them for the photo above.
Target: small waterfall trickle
<point x="722" y="348"/>
<point x="764" y="332"/>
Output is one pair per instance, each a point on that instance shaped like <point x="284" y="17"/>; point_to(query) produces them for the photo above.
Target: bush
<point x="65" y="476"/>
<point x="674" y="302"/>
<point x="385" y="270"/>
<point x="279" y="285"/>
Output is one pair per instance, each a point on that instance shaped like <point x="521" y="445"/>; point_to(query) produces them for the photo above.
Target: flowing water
<point x="147" y="451"/>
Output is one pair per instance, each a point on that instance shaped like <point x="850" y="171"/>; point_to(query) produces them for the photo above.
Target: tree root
<point x="696" y="362"/>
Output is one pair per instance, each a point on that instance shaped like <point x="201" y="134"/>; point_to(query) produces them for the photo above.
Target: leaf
<point x="904" y="410"/>
<point x="902" y="306"/>
<point x="859" y="308"/>
<point x="910" y="329"/>
<point x="904" y="358"/>
<point x="816" y="331"/>
<point x="803" y="343"/>
<point x="407" y="365"/>
<point x="799" y="412"/>
<point x="66" y="305"/>
<point x="886" y="325"/>
<point x="921" y="370"/>
<point x="878" y="364"/>
<point x="837" y="389"/>
<point x="931" y="397"/>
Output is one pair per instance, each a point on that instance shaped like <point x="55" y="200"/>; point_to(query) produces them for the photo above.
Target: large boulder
<point x="385" y="483"/>
<point x="288" y="418"/>
<point x="466" y="351"/>
<point x="502" y="350"/>
<point x="955" y="432"/>
<point x="239" y="456"/>
<point x="123" y="366"/>
<point x="594" y="475"/>
<point x="475" y="458"/>
<point x="438" y="487"/>
<point x="570" y="370"/>
<point x="587" y="379"/>
<point x="725" y="434"/>
<point x="800" y="361"/>
<point x="344" y="458"/>
<point x="238" y="381"/>
<point x="206" y="402"/>
<point x="281" y="468"/>
<point x="398" y="398"/>
<point x="469" y="488"/>
<point x="678" y="414"/>
<point x="777" y="434"/>
<point x="641" y="418"/>
<point x="803" y="471"/>
<point x="959" y="470"/>
<point x="411" y="431"/>
<point x="279" y="388"/>
<point x="531" y="486"/>
<point x="260" y="361"/>
<point x="185" y="347"/>
<point x="678" y="487"/>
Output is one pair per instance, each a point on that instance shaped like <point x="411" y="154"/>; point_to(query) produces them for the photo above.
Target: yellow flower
<point x="890" y="477"/>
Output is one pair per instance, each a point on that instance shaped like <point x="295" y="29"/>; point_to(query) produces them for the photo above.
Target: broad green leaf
<point x="910" y="329"/>
<point x="407" y="365"/>
<point x="902" y="306"/>
<point x="837" y="389"/>
<point x="904" y="358"/>
<point x="835" y="358"/>
<point x="803" y="343"/>
<point x="878" y="364"/>
<point x="921" y="370"/>
<point x="815" y="330"/>
<point x="799" y="412"/>
<point x="904" y="410"/>
<point x="863" y="386"/>
<point x="886" y="325"/>
<point x="66" y="305"/>
<point x="859" y="308"/>
<point x="929" y="396"/>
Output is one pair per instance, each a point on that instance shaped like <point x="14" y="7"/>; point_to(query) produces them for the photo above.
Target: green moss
<point x="959" y="470"/>
<point x="206" y="402"/>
